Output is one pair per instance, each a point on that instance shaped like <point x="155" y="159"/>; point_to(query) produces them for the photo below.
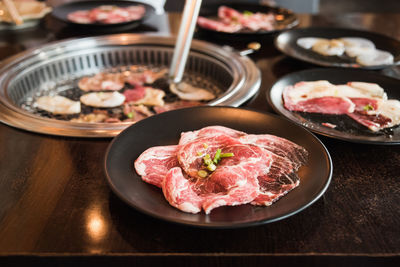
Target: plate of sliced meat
<point x="218" y="167"/>
<point x="103" y="13"/>
<point x="339" y="47"/>
<point x="245" y="19"/>
<point x="348" y="104"/>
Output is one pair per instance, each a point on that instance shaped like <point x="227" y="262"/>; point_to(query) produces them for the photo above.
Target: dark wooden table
<point x="57" y="209"/>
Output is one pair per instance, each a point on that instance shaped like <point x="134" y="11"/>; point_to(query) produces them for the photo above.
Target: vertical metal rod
<point x="184" y="39"/>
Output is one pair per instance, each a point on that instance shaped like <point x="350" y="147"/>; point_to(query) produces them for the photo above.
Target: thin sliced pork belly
<point x="228" y="14"/>
<point x="362" y="103"/>
<point x="324" y="105"/>
<point x="385" y="114"/>
<point x="217" y="25"/>
<point x="373" y="122"/>
<point x="316" y="97"/>
<point x="326" y="98"/>
<point x="253" y="21"/>
<point x="135" y="94"/>
<point x="154" y="163"/>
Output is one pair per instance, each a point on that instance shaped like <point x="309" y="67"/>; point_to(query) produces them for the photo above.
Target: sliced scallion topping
<point x="211" y="164"/>
<point x="217" y="156"/>
<point x="211" y="167"/>
<point x="226" y="155"/>
<point x="368" y="107"/>
<point x="202" y="173"/>
<point x="247" y="13"/>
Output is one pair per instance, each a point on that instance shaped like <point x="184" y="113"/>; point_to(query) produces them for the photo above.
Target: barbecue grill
<point x="57" y="66"/>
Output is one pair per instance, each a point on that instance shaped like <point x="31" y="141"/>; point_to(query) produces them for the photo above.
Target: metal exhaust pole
<point x="184" y="39"/>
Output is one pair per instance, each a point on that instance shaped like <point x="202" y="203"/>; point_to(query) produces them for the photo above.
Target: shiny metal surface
<point x="184" y="39"/>
<point x="24" y="74"/>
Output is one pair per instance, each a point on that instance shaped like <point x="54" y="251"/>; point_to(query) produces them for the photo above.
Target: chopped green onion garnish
<point x="207" y="159"/>
<point x="368" y="107"/>
<point x="217" y="156"/>
<point x="247" y="13"/>
<point x="227" y="155"/>
<point x="130" y="115"/>
<point x="202" y="173"/>
<point x="211" y="164"/>
<point x="211" y="167"/>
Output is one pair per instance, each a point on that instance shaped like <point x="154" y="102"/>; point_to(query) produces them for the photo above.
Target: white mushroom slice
<point x="152" y="97"/>
<point x="357" y="42"/>
<point x="308" y="42"/>
<point x="58" y="105"/>
<point x="358" y="51"/>
<point x="103" y="99"/>
<point x="186" y="91"/>
<point x="378" y="57"/>
<point x="329" y="47"/>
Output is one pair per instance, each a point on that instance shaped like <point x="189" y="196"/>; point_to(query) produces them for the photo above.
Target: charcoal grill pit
<point x="55" y="67"/>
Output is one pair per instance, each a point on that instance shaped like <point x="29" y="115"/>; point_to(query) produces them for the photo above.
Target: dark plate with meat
<point x="360" y="52"/>
<point x="364" y="124"/>
<point x="147" y="198"/>
<point x="254" y="20"/>
<point x="103" y="13"/>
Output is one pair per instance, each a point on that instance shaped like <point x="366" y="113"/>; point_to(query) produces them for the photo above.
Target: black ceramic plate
<point x="285" y="19"/>
<point x="165" y="129"/>
<point x="346" y="129"/>
<point x="61" y="12"/>
<point x="286" y="42"/>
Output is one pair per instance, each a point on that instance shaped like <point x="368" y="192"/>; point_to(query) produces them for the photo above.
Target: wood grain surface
<point x="56" y="207"/>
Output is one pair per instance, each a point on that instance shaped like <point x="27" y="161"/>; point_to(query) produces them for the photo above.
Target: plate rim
<point x="324" y="133"/>
<point x="221" y="225"/>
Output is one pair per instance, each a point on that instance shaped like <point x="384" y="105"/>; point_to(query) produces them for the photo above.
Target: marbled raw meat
<point x="154" y="163"/>
<point x="262" y="169"/>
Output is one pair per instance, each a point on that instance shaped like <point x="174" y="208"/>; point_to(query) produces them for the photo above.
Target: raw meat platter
<point x="122" y="165"/>
<point x="244" y="19"/>
<point x="360" y="116"/>
<point x="103" y="13"/>
<point x="337" y="47"/>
